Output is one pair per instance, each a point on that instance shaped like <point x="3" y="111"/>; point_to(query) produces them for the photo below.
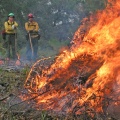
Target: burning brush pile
<point x="86" y="77"/>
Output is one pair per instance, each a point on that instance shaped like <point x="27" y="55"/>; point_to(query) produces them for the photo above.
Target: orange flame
<point x="18" y="63"/>
<point x="1" y="62"/>
<point x="98" y="49"/>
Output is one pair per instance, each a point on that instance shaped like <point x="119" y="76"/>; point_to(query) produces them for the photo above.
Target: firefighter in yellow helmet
<point x="32" y="29"/>
<point x="10" y="30"/>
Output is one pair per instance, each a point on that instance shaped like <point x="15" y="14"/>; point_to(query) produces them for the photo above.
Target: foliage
<point x="57" y="19"/>
<point x="2" y="50"/>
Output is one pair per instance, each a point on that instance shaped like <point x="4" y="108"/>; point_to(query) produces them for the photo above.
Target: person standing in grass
<point x="10" y="40"/>
<point x="32" y="29"/>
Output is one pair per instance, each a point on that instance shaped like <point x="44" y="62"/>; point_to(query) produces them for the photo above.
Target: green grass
<point x="45" y="49"/>
<point x="51" y="48"/>
<point x="56" y="44"/>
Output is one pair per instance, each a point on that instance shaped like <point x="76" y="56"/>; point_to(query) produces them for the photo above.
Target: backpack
<point x="4" y="33"/>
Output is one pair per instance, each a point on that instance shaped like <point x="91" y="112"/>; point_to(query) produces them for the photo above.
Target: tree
<point x="58" y="19"/>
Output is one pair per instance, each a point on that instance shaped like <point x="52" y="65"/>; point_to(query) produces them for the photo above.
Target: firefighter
<point x="10" y="41"/>
<point x="32" y="29"/>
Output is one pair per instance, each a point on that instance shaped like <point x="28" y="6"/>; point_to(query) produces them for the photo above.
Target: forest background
<point x="58" y="20"/>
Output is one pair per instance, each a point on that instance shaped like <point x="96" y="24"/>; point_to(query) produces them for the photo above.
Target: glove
<point x="13" y="27"/>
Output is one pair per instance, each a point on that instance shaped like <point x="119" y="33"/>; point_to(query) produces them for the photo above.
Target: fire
<point x="18" y="63"/>
<point x="95" y="54"/>
<point x="1" y="62"/>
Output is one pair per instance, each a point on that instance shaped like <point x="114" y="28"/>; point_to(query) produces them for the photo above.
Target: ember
<point x="18" y="62"/>
<point x="85" y="77"/>
<point x="1" y="62"/>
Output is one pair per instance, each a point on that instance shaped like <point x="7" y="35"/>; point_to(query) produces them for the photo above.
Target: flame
<point x="1" y="62"/>
<point x="18" y="63"/>
<point x="95" y="53"/>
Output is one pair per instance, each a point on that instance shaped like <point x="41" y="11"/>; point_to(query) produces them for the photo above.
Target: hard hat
<point x="11" y="15"/>
<point x="30" y="15"/>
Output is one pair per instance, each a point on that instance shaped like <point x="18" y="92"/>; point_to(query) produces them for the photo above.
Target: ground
<point x="12" y="79"/>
